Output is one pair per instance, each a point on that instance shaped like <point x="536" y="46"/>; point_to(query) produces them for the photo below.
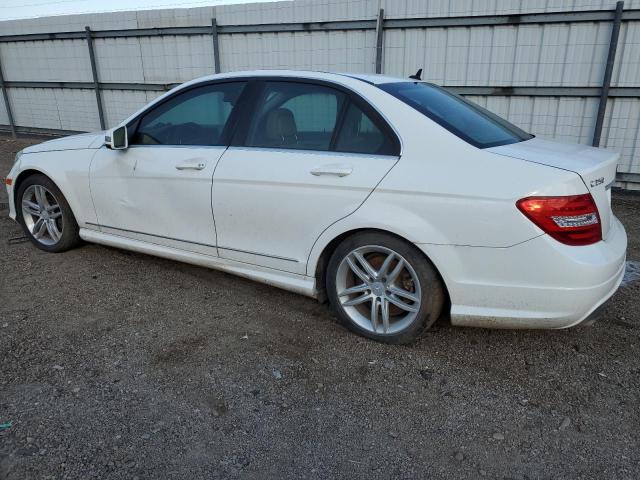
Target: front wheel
<point x="45" y="215"/>
<point x="383" y="288"/>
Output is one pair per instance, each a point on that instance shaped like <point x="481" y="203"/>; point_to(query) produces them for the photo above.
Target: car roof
<point x="373" y="79"/>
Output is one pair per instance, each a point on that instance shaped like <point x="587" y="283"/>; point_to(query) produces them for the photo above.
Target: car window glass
<point x="295" y="115"/>
<point x="360" y="135"/>
<point x="195" y="117"/>
<point x="463" y="118"/>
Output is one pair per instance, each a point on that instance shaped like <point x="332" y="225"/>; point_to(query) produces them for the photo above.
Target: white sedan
<point x="392" y="198"/>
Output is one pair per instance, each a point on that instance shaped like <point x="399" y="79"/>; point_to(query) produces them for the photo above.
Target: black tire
<point x="70" y="237"/>
<point x="432" y="292"/>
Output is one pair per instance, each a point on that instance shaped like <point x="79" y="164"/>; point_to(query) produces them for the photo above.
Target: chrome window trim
<point x="332" y="153"/>
<point x="178" y="146"/>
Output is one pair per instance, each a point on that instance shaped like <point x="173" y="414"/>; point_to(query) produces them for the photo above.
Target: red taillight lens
<point x="572" y="220"/>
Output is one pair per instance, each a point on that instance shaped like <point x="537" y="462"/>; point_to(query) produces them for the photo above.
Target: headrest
<point x="280" y="125"/>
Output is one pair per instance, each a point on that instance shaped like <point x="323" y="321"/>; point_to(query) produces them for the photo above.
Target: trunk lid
<point x="596" y="166"/>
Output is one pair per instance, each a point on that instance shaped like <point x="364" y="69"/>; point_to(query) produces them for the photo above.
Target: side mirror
<point x="117" y="139"/>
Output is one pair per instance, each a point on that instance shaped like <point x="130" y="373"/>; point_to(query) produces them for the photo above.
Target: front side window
<point x="463" y="118"/>
<point x="295" y="116"/>
<point x="195" y="117"/>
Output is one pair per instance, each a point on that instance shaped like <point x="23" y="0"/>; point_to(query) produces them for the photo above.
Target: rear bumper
<point x="540" y="283"/>
<point x="594" y="316"/>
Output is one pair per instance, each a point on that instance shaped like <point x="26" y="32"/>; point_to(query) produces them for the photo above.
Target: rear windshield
<point x="469" y="121"/>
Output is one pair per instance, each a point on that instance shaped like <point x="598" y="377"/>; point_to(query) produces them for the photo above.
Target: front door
<point x="309" y="155"/>
<point x="159" y="189"/>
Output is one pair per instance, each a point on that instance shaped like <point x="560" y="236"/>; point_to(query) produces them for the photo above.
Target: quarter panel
<point x="447" y="192"/>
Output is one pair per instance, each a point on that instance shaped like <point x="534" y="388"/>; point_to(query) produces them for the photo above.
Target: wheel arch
<point x="22" y="176"/>
<point x="68" y="170"/>
<point x="321" y="264"/>
<point x="29" y="172"/>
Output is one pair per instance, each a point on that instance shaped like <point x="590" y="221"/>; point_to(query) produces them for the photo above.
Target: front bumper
<point x="13" y="173"/>
<point x="540" y="283"/>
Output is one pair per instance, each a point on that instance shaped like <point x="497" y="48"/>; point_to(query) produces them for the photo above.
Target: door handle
<point x="191" y="166"/>
<point x="336" y="170"/>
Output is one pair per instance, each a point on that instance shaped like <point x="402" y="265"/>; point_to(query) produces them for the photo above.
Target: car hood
<point x="73" y="142"/>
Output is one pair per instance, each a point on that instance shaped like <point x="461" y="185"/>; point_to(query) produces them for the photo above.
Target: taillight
<point x="572" y="220"/>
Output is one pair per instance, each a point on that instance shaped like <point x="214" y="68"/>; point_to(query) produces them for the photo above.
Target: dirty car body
<point x="519" y="230"/>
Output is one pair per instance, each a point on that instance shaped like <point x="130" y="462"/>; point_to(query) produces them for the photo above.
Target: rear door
<point x="305" y="156"/>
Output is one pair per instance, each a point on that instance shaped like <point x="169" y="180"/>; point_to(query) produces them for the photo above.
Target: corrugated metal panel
<point x="621" y="132"/>
<point x="77" y="109"/>
<point x="566" y="119"/>
<point x="447" y="8"/>
<point x="177" y="17"/>
<point x="119" y="104"/>
<point x="59" y="60"/>
<point x="4" y="118"/>
<point x="176" y="59"/>
<point x="55" y="108"/>
<point x="298" y="11"/>
<point x="627" y="68"/>
<point x="529" y="55"/>
<point x="70" y="23"/>
<point x="119" y="59"/>
<point x="352" y="51"/>
<point x="526" y="55"/>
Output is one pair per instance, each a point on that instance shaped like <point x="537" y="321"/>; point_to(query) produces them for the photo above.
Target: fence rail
<point x="380" y="25"/>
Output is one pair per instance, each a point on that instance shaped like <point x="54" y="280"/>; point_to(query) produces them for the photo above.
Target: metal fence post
<point x="379" y="40"/>
<point x="216" y="47"/>
<point x="7" y="106"/>
<point x="94" y="73"/>
<point x="606" y="81"/>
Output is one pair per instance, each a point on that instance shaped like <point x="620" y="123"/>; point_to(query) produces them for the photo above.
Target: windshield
<point x="463" y="118"/>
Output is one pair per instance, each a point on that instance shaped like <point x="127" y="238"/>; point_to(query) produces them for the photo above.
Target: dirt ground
<point x="116" y="365"/>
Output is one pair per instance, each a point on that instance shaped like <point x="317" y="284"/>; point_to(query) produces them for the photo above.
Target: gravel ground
<point x="117" y="365"/>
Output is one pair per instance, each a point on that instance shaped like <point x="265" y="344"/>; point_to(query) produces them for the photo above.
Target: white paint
<point x="274" y="217"/>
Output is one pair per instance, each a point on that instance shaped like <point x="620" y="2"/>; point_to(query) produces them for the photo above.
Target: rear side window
<point x="359" y="134"/>
<point x="463" y="118"/>
<point x="195" y="117"/>
<point x="295" y="116"/>
<point x="309" y="116"/>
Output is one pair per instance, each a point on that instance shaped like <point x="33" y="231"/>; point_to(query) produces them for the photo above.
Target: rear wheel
<point x="45" y="215"/>
<point x="383" y="288"/>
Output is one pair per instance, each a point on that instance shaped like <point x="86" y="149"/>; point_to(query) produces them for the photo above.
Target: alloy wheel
<point x="42" y="214"/>
<point x="378" y="289"/>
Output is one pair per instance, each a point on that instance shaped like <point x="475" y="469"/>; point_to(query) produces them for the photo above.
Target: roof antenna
<point x="417" y="76"/>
